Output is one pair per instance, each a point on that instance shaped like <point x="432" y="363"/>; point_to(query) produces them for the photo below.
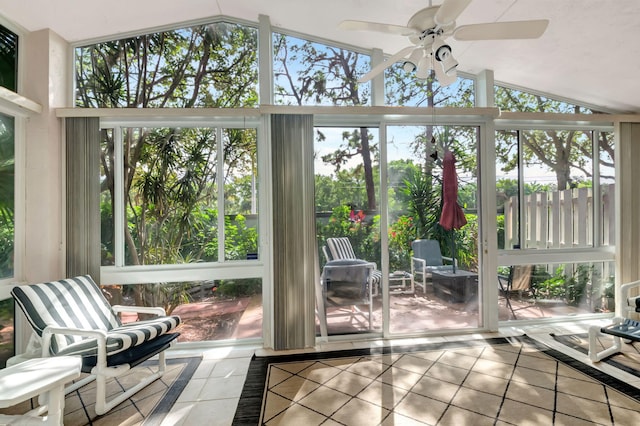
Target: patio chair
<point x="426" y="258"/>
<point x="71" y="317"/>
<point x="620" y="328"/>
<point x="346" y="283"/>
<point x="340" y="248"/>
<point x="518" y="281"/>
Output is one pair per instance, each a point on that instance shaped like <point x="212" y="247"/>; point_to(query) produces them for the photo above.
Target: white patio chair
<point x="340" y="248"/>
<point x="72" y="317"/>
<point x="620" y="327"/>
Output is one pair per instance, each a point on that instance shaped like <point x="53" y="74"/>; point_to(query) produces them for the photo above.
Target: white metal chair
<point x="621" y="327"/>
<point x="72" y="317"/>
<point x="340" y="248"/>
<point x="346" y="284"/>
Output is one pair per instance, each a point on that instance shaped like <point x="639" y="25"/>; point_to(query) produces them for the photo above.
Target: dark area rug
<point x="267" y="375"/>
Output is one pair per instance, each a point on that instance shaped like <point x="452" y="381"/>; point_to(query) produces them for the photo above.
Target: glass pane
<point x="402" y="88"/>
<point x="443" y="297"/>
<point x="7" y="194"/>
<point x="170" y="195"/>
<point x="347" y="199"/>
<point x="209" y="310"/>
<point x="606" y="149"/>
<point x="555" y="290"/>
<point x="7" y="335"/>
<point x="240" y="194"/>
<point x="558" y="178"/>
<point x="309" y="73"/>
<point x="8" y="59"/>
<point x="107" y="245"/>
<point x="209" y="65"/>
<point x="507" y="189"/>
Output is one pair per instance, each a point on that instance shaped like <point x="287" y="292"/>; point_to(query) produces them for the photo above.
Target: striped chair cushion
<point x="341" y="248"/>
<point x="79" y="303"/>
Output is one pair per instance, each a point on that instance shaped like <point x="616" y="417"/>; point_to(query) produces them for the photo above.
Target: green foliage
<point x="238" y="288"/>
<point x="210" y="65"/>
<point x="573" y="287"/>
<point x="424" y="202"/>
<point x="401" y="233"/>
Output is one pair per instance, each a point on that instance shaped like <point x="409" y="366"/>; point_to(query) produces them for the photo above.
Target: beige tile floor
<point x="217" y="384"/>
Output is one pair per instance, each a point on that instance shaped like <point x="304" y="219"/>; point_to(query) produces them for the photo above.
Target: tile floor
<point x="217" y="384"/>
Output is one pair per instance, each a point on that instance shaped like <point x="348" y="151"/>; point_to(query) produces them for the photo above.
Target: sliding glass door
<point x="432" y="210"/>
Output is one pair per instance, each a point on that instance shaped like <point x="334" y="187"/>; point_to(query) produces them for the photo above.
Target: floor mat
<point x="494" y="381"/>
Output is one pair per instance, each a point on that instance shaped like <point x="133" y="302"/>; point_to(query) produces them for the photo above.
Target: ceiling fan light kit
<point x="428" y="30"/>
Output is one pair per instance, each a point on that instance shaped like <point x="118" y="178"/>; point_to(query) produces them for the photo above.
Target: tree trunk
<point x="368" y="169"/>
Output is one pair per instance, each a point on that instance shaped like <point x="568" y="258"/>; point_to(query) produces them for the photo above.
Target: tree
<point x="311" y="73"/>
<point x="211" y="65"/>
<point x="561" y="151"/>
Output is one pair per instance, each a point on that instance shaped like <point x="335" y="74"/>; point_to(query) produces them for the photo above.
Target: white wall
<point x="45" y="81"/>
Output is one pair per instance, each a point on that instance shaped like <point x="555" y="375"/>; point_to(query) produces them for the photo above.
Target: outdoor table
<point x="37" y="377"/>
<point x="457" y="287"/>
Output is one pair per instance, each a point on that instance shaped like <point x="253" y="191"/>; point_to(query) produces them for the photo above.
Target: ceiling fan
<point x="428" y="30"/>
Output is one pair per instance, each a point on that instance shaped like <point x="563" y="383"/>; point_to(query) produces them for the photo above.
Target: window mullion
<point x="220" y="199"/>
<point x="119" y="207"/>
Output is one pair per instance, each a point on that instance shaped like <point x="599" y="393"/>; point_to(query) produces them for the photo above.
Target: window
<point x="8" y="59"/>
<point x="175" y="183"/>
<point x="309" y="73"/>
<point x="7" y="191"/>
<point x="210" y="65"/>
<point x="546" y="183"/>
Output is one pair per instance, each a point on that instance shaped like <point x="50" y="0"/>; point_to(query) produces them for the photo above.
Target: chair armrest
<point x="418" y="264"/>
<point x="154" y="310"/>
<point x="628" y="302"/>
<point x="450" y="260"/>
<point x="99" y="335"/>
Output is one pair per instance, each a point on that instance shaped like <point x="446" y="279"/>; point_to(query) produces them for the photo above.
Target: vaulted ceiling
<point x="589" y="53"/>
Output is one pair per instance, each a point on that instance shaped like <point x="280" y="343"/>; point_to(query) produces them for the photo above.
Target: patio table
<point x="457" y="287"/>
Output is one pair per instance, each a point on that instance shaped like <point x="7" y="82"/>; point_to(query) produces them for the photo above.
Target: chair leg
<point x="102" y="405"/>
<point x="594" y="355"/>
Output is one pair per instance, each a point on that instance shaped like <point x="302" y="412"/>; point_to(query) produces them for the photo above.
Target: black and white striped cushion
<point x="79" y="303"/>
<point x="341" y="248"/>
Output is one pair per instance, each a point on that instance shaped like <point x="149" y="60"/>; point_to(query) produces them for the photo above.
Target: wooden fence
<point x="561" y="219"/>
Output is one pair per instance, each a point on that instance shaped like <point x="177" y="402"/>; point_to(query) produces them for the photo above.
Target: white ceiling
<point x="589" y="53"/>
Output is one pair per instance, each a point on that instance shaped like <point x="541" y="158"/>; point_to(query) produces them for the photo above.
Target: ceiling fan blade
<point x="375" y="26"/>
<point x="386" y="64"/>
<point x="501" y="30"/>
<point x="449" y="11"/>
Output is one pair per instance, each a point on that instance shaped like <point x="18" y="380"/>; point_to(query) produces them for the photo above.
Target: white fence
<point x="561" y="219"/>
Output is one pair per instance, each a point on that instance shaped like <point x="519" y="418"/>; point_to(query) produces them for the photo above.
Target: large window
<point x="210" y="65"/>
<point x="546" y="184"/>
<point x="309" y="73"/>
<point x="186" y="190"/>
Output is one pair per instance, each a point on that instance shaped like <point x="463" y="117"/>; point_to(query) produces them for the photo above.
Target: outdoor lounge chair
<point x="620" y="328"/>
<point x="517" y="282"/>
<point x="340" y="248"/>
<point x="72" y="317"/>
<point x="346" y="284"/>
<point x="426" y="258"/>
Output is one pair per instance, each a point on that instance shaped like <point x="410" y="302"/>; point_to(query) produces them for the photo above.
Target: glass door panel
<point x="442" y="262"/>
